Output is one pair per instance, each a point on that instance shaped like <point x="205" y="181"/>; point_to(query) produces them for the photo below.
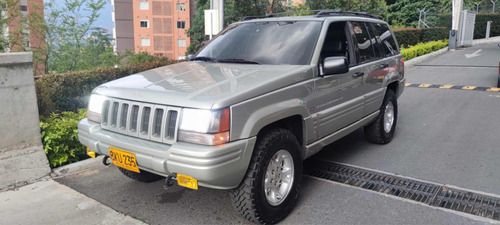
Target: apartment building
<point x="155" y="26"/>
<point x="16" y="31"/>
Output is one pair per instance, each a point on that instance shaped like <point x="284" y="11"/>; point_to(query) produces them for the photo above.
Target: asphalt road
<point x="444" y="136"/>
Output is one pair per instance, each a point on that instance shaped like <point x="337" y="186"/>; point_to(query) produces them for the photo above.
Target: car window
<point x="374" y="41"/>
<point x="364" y="44"/>
<point x="386" y="39"/>
<point x="275" y="43"/>
<point x="335" y="42"/>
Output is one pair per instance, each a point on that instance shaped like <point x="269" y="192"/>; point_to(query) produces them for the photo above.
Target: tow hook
<point x="169" y="181"/>
<point x="105" y="161"/>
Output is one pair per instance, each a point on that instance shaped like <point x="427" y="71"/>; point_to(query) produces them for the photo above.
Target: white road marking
<point x="475" y="54"/>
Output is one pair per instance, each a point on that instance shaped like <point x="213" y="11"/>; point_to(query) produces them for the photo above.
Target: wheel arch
<point x="394" y="86"/>
<point x="294" y="124"/>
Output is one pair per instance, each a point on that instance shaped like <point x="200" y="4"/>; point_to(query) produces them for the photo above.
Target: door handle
<point x="358" y="74"/>
<point x="384" y="65"/>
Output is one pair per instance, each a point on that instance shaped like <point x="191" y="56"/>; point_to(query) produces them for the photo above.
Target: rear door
<point x="388" y="51"/>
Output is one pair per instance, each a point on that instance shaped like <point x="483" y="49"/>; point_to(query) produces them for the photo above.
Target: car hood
<point x="203" y="84"/>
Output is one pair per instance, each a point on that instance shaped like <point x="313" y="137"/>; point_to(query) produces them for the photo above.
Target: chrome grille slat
<point x="122" y="125"/>
<point x="133" y="120"/>
<point x="114" y="113"/>
<point x="146" y="121"/>
<point x="157" y="121"/>
<point x="171" y="124"/>
<point x="105" y="111"/>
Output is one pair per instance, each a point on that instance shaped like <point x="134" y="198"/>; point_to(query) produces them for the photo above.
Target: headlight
<point x="205" y="126"/>
<point x="95" y="107"/>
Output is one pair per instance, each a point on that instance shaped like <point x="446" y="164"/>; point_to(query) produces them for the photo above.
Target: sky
<point x="104" y="20"/>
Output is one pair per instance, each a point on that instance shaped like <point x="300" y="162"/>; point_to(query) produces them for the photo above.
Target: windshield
<point x="275" y="43"/>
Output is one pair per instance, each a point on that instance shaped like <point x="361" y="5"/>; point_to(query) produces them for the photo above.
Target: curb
<point x="78" y="167"/>
<point x="417" y="60"/>
<point x="484" y="41"/>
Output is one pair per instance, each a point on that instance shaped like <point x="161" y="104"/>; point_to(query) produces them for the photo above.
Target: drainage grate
<point x="468" y="202"/>
<point x="392" y="185"/>
<point x="419" y="191"/>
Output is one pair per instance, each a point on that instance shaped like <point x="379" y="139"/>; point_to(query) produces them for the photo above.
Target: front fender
<point x="249" y="117"/>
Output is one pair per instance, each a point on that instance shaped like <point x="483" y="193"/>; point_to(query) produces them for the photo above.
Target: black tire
<point x="144" y="176"/>
<point x="249" y="198"/>
<point x="375" y="132"/>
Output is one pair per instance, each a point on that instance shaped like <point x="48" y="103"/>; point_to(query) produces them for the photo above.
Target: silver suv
<point x="242" y="115"/>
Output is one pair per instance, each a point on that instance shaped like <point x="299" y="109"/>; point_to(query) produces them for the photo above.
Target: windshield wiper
<point x="204" y="58"/>
<point x="238" y="61"/>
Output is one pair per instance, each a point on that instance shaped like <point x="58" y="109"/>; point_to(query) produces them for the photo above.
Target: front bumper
<point x="219" y="167"/>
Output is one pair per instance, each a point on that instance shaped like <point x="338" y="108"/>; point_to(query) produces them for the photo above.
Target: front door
<point x="338" y="98"/>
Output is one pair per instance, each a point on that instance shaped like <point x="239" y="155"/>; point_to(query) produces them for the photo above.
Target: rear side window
<point x="386" y="39"/>
<point x="364" y="43"/>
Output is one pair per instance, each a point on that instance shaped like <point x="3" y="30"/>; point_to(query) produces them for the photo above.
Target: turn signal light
<point x="90" y="153"/>
<point x="187" y="181"/>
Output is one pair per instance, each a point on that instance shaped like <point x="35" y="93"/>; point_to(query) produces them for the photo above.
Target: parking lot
<point x="447" y="133"/>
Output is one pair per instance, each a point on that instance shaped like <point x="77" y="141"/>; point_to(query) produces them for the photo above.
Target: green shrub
<point x="60" y="137"/>
<point x="422" y="48"/>
<point x="413" y="36"/>
<point x="70" y="91"/>
<point x="480" y="25"/>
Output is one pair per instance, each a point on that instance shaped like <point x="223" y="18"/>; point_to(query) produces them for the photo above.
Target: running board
<point x="316" y="146"/>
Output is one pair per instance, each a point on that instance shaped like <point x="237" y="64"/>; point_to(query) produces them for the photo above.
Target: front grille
<point x="147" y="121"/>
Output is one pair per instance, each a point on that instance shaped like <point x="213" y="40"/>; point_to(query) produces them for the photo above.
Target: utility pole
<point x="219" y="6"/>
<point x="457" y="8"/>
<point x="455" y="20"/>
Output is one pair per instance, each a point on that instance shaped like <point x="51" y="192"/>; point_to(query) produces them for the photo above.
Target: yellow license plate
<point x="123" y="159"/>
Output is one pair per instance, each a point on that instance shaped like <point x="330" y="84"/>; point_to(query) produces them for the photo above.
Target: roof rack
<point x="339" y="12"/>
<point x="317" y="13"/>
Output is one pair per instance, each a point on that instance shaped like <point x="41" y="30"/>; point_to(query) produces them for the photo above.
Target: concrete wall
<point x="22" y="158"/>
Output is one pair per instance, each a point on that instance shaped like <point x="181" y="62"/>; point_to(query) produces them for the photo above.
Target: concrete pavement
<point x="48" y="202"/>
<point x="321" y="202"/>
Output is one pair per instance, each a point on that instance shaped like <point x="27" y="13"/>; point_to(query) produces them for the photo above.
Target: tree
<point x="137" y="59"/>
<point x="406" y="12"/>
<point x="376" y="7"/>
<point x="234" y="10"/>
<point x="98" y="51"/>
<point x="37" y="29"/>
<point x="10" y="14"/>
<point x="197" y="30"/>
<point x="67" y="27"/>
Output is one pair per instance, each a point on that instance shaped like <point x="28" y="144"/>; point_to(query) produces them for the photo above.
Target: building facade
<point x="155" y="26"/>
<point x="17" y="33"/>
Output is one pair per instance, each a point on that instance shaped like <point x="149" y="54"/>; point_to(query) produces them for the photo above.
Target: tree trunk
<point x="271" y="7"/>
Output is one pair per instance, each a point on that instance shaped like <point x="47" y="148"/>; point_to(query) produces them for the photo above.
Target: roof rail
<point x="317" y="13"/>
<point x="339" y="12"/>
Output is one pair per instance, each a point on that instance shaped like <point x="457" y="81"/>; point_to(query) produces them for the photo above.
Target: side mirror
<point x="189" y="57"/>
<point x="335" y="65"/>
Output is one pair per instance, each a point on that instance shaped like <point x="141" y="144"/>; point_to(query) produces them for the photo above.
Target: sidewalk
<point x="48" y="202"/>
